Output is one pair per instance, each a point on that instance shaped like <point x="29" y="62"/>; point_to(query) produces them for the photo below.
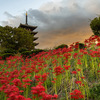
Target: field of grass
<point x="62" y="74"/>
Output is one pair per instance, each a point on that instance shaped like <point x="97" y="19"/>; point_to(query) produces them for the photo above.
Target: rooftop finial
<point x="26" y="18"/>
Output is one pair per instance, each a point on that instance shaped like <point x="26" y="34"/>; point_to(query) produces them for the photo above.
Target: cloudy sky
<point x="58" y="21"/>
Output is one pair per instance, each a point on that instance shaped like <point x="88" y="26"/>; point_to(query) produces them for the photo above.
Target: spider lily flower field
<point x="60" y="74"/>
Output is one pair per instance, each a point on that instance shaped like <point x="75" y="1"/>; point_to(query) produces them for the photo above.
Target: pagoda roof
<point x="36" y="44"/>
<point x="35" y="38"/>
<point x="34" y="32"/>
<point x="27" y="26"/>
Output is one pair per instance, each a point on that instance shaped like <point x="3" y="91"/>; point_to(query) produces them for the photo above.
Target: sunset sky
<point x="58" y="21"/>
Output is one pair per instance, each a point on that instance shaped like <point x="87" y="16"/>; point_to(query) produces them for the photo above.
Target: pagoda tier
<point x="35" y="44"/>
<point x="35" y="38"/>
<point x="28" y="27"/>
<point x="34" y="33"/>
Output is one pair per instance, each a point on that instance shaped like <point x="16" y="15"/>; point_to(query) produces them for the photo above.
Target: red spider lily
<point x="0" y="57"/>
<point x="17" y="82"/>
<point x="44" y="77"/>
<point x="54" y="78"/>
<point x="76" y="94"/>
<point x="66" y="67"/>
<point x="74" y="72"/>
<point x="79" y="62"/>
<point x="55" y="96"/>
<point x="16" y="97"/>
<point x="66" y="55"/>
<point x="26" y="80"/>
<point x="48" y="97"/>
<point x="76" y="45"/>
<point x="38" y="89"/>
<point x="83" y="77"/>
<point x="11" y="89"/>
<point x="37" y="77"/>
<point x="53" y="81"/>
<point x="83" y="51"/>
<point x="98" y="44"/>
<point x="23" y="76"/>
<point x="29" y="70"/>
<point x="58" y="70"/>
<point x="78" y="82"/>
<point x="50" y="68"/>
<point x="98" y="71"/>
<point x="78" y="69"/>
<point x="75" y="55"/>
<point x="1" y="61"/>
<point x="2" y="88"/>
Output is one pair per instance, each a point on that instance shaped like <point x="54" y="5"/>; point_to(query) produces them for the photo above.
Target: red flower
<point x="98" y="71"/>
<point x="66" y="67"/>
<point x="37" y="77"/>
<point x="17" y="82"/>
<point x="38" y="89"/>
<point x="78" y="69"/>
<point x="98" y="44"/>
<point x="76" y="94"/>
<point x="53" y="81"/>
<point x="79" y="62"/>
<point x="78" y="82"/>
<point x="74" y="72"/>
<point x="58" y="70"/>
<point x="55" y="96"/>
<point x="44" y="77"/>
<point x="82" y="77"/>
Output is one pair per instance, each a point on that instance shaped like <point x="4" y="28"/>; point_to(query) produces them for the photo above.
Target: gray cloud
<point x="9" y="15"/>
<point x="62" y="22"/>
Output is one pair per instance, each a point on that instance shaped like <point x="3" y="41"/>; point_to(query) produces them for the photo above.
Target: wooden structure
<point x="30" y="28"/>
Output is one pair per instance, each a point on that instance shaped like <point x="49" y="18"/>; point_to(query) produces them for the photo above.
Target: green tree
<point x="95" y="26"/>
<point x="16" y="38"/>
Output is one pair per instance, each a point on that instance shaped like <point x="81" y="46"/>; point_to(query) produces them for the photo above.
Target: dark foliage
<point x="95" y="26"/>
<point x="22" y="50"/>
<point x="10" y="51"/>
<point x="16" y="38"/>
<point x="61" y="46"/>
<point x="95" y="92"/>
<point x="4" y="56"/>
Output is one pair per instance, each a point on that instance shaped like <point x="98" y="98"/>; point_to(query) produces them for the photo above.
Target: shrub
<point x="36" y="51"/>
<point x="79" y="46"/>
<point x="26" y="53"/>
<point x="62" y="46"/>
<point x="5" y="55"/>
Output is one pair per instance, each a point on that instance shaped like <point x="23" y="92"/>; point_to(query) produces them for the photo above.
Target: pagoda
<point x="30" y="28"/>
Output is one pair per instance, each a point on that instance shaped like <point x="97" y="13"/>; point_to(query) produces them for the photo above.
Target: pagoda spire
<point x="31" y="29"/>
<point x="26" y="19"/>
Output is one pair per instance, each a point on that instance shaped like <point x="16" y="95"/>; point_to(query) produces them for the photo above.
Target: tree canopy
<point x="16" y="38"/>
<point x="95" y="26"/>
